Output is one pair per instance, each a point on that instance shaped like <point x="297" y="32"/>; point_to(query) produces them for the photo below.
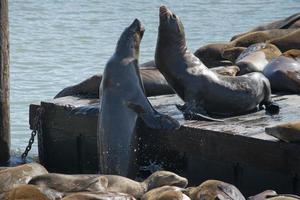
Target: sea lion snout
<point x="164" y="12"/>
<point x="137" y="26"/>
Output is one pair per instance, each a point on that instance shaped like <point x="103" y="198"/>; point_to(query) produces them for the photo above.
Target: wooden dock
<point x="236" y="151"/>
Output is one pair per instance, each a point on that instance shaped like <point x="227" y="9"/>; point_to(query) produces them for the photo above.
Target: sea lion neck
<point x="171" y="30"/>
<point x="128" y="45"/>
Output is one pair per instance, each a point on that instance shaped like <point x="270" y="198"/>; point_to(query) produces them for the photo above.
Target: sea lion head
<point x="129" y="42"/>
<point x="161" y="178"/>
<point x="171" y="26"/>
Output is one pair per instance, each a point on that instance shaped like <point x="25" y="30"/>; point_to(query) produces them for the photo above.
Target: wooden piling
<point x="4" y="84"/>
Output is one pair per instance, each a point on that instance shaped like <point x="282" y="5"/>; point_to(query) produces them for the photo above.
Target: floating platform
<point x="237" y="150"/>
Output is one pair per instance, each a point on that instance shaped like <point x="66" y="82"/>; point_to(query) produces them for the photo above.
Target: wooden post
<point x="4" y="84"/>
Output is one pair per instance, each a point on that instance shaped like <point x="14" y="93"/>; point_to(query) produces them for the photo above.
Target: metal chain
<point x="37" y="128"/>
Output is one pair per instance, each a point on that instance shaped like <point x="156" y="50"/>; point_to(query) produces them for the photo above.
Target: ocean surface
<point x="58" y="43"/>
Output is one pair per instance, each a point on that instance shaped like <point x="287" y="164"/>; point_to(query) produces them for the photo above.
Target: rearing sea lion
<point x="205" y="92"/>
<point x="123" y="104"/>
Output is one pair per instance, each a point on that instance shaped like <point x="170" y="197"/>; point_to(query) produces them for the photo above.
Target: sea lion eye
<point x="173" y="16"/>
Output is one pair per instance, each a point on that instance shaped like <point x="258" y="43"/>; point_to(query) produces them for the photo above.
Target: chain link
<point x="37" y="128"/>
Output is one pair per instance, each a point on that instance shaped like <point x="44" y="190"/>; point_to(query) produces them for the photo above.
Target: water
<point x="57" y="43"/>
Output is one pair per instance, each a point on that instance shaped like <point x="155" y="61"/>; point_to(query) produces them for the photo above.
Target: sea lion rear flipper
<point x="154" y="120"/>
<point x="190" y="114"/>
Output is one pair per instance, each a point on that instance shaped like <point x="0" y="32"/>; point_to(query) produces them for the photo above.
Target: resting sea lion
<point x="291" y="22"/>
<point x="153" y="81"/>
<point x="25" y="192"/>
<point x="284" y="72"/>
<point x="211" y="54"/>
<point x="165" y="193"/>
<point x="256" y="57"/>
<point x="13" y="176"/>
<point x="287" y="42"/>
<point x="214" y="189"/>
<point x="288" y="132"/>
<point x="122" y="103"/>
<point x="233" y="53"/>
<point x="263" y="195"/>
<point x="98" y="196"/>
<point x="204" y="91"/>
<point x="71" y="183"/>
<point x="259" y="37"/>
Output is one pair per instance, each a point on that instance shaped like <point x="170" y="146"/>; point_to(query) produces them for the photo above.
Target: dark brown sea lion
<point x="213" y="190"/>
<point x="205" y="92"/>
<point x="284" y="72"/>
<point x="287" y="42"/>
<point x="211" y="54"/>
<point x="165" y="193"/>
<point x="288" y="132"/>
<point x="70" y="183"/>
<point x="291" y="22"/>
<point x="13" y="176"/>
<point x="154" y="82"/>
<point x="233" y="53"/>
<point x="123" y="105"/>
<point x="256" y="57"/>
<point x="98" y="196"/>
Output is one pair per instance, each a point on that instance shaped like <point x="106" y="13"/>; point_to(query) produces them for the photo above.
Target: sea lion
<point x="263" y="195"/>
<point x="154" y="82"/>
<point x="123" y="104"/>
<point x="98" y="196"/>
<point x="284" y="197"/>
<point x="25" y="192"/>
<point x="291" y="22"/>
<point x="213" y="190"/>
<point x="288" y="132"/>
<point x="232" y="53"/>
<point x="71" y="183"/>
<point x="256" y="57"/>
<point x="284" y="72"/>
<point x="205" y="92"/>
<point x="13" y="176"/>
<point x="287" y="42"/>
<point x="165" y="193"/>
<point x="111" y="183"/>
<point x="211" y="54"/>
<point x="259" y="36"/>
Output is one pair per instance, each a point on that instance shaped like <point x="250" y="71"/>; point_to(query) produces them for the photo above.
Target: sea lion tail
<point x="191" y="115"/>
<point x="272" y="108"/>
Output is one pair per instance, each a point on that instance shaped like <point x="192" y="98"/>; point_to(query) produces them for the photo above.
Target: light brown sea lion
<point x="284" y="72"/>
<point x="263" y="195"/>
<point x="291" y="22"/>
<point x="98" y="196"/>
<point x="13" y="176"/>
<point x="112" y="183"/>
<point x="259" y="36"/>
<point x="211" y="54"/>
<point x="218" y="95"/>
<point x="232" y="53"/>
<point x="25" y="192"/>
<point x="288" y="132"/>
<point x="213" y="190"/>
<point x="284" y="197"/>
<point x="256" y="57"/>
<point x="71" y="183"/>
<point x="165" y="193"/>
<point x="287" y="42"/>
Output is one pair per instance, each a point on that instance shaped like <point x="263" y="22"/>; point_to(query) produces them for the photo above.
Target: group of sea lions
<point x="33" y="182"/>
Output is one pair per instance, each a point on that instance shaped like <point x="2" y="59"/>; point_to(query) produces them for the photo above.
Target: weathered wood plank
<point x="4" y="84"/>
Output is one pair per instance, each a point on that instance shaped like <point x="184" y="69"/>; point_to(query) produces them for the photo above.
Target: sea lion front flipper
<point x="272" y="108"/>
<point x="154" y="120"/>
<point x="190" y="114"/>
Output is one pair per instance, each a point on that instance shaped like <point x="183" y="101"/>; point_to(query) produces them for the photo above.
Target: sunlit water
<point x="57" y="43"/>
